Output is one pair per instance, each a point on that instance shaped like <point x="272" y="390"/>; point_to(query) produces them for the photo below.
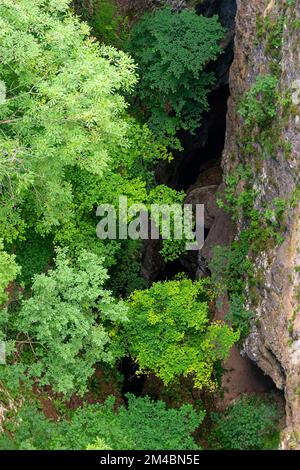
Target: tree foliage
<point x="246" y="425"/>
<point x="69" y="323"/>
<point x="67" y="143"/>
<point x="143" y="425"/>
<point x="172" y="51"/>
<point x="170" y="334"/>
<point x="34" y="254"/>
<point x="259" y="105"/>
<point x="63" y="108"/>
<point x="130" y="173"/>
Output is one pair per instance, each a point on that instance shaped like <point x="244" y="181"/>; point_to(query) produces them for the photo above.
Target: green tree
<point x="170" y="334"/>
<point x="63" y="107"/>
<point x="143" y="425"/>
<point x="98" y="444"/>
<point x="34" y="254"/>
<point x="69" y="324"/>
<point x="129" y="173"/>
<point x="172" y="51"/>
<point x="67" y="143"/>
<point x="108" y="25"/>
<point x="246" y="425"/>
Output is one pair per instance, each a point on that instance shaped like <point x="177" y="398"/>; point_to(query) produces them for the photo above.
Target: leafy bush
<point x="230" y="266"/>
<point x="130" y="173"/>
<point x="259" y="106"/>
<point x="169" y="333"/>
<point x="144" y="425"/>
<point x="107" y="24"/>
<point x="173" y="249"/>
<point x="68" y="324"/>
<point x="172" y="51"/>
<point x="246" y="424"/>
<point x="99" y="444"/>
<point x="239" y="316"/>
<point x="125" y="275"/>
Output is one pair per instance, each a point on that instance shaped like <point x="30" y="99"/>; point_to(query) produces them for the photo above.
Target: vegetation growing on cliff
<point x="232" y="267"/>
<point x="67" y="325"/>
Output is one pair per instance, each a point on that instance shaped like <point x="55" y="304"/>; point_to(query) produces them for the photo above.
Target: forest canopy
<point x="83" y="121"/>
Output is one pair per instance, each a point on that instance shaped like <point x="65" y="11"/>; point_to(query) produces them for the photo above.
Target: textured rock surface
<point x="274" y="342"/>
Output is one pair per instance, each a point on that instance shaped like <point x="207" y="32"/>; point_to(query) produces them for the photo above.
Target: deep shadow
<point x="132" y="382"/>
<point x="211" y="151"/>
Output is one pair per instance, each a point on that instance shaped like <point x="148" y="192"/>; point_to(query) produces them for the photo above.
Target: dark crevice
<point x="276" y="364"/>
<point x="132" y="383"/>
<point x="200" y="155"/>
<point x="171" y="269"/>
<point x="199" y="163"/>
<point x="261" y="377"/>
<point x="204" y="147"/>
<point x="202" y="150"/>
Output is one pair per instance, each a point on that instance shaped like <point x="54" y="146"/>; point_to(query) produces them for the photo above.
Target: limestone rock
<point x="274" y="343"/>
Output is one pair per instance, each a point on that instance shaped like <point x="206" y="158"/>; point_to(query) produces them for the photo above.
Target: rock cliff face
<point x="267" y="40"/>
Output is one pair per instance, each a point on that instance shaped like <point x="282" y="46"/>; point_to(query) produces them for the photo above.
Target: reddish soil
<point x="241" y="375"/>
<point x="103" y="386"/>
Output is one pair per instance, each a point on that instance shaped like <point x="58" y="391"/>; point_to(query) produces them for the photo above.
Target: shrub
<point x="144" y="425"/>
<point x="239" y="317"/>
<point x="260" y="104"/>
<point x="107" y="24"/>
<point x="169" y="332"/>
<point x="33" y="255"/>
<point x="8" y="272"/>
<point x="230" y="266"/>
<point x="172" y="51"/>
<point x="68" y="324"/>
<point x="246" y="424"/>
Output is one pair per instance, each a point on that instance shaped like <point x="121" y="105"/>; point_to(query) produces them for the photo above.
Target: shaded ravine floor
<point x="241" y="375"/>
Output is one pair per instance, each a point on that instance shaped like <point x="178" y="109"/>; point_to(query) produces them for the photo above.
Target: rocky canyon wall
<point x="267" y="43"/>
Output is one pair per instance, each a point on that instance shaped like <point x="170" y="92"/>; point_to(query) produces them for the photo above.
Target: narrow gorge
<point x="112" y="339"/>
